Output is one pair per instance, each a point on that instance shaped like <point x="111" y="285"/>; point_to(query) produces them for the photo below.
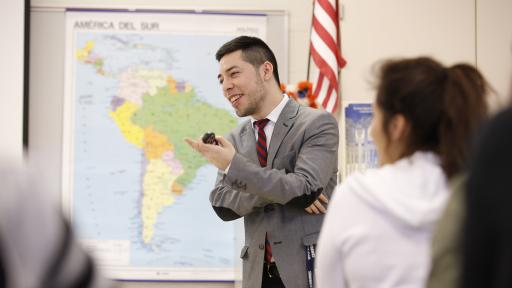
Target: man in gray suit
<point x="277" y="169"/>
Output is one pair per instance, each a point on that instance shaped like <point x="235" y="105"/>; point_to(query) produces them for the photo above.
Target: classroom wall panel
<point x="11" y="79"/>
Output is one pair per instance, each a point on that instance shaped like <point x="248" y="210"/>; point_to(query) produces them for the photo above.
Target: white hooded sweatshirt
<point x="378" y="226"/>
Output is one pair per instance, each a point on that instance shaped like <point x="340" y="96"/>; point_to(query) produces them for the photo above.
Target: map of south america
<point x="136" y="85"/>
<point x="155" y="113"/>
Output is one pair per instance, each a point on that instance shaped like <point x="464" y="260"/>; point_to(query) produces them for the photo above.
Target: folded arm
<point x="314" y="167"/>
<point x="230" y="204"/>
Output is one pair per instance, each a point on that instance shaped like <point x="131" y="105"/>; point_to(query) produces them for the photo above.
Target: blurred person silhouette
<point x="446" y="240"/>
<point x="487" y="232"/>
<point x="450" y="237"/>
<point x="37" y="245"/>
<point x="378" y="227"/>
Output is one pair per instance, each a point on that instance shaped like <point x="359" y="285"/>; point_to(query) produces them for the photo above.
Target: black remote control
<point x="209" y="138"/>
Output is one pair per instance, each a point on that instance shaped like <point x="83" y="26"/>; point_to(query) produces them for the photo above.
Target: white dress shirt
<point x="269" y="128"/>
<point x="272" y="116"/>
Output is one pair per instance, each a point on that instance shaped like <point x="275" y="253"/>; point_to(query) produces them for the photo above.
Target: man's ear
<point x="267" y="70"/>
<point x="399" y="128"/>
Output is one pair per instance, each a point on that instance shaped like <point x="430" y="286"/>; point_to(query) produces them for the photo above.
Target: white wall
<point x="477" y="31"/>
<point x="46" y="113"/>
<point x="373" y="30"/>
<point x="451" y="31"/>
<point x="11" y="78"/>
<point x="494" y="46"/>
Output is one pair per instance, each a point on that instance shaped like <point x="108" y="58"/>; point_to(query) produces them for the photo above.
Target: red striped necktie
<point x="261" y="149"/>
<point x="261" y="145"/>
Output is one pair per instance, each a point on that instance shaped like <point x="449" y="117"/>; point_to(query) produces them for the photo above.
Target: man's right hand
<point x="317" y="207"/>
<point x="219" y="155"/>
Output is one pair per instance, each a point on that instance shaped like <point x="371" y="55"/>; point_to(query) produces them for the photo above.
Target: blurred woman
<point x="38" y="248"/>
<point x="378" y="227"/>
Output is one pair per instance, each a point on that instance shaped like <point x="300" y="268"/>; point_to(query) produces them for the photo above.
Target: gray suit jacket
<point x="302" y="163"/>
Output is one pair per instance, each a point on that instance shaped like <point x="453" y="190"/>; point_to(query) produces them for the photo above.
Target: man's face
<point x="241" y="84"/>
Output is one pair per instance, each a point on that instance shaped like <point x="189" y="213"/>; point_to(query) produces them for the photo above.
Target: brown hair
<point x="254" y="51"/>
<point x="443" y="106"/>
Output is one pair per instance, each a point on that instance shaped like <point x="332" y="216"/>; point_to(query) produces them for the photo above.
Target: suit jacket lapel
<point x="248" y="140"/>
<point x="283" y="125"/>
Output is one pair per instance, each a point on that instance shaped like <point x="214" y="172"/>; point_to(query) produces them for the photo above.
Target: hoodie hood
<point x="413" y="190"/>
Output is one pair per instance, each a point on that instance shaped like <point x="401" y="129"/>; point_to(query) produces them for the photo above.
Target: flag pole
<point x="338" y="38"/>
<point x="309" y="46"/>
<point x="338" y="108"/>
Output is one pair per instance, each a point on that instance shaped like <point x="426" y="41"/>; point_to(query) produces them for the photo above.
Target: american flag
<point x="325" y="54"/>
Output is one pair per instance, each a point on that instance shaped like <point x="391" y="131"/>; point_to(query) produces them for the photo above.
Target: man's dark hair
<point x="254" y="51"/>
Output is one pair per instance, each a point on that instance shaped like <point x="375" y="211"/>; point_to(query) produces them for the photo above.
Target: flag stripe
<point x="328" y="7"/>
<point x="323" y="66"/>
<point x="322" y="93"/>
<point x="326" y="100"/>
<point x="327" y="38"/>
<point x="325" y="53"/>
<point x="326" y="20"/>
<point x="331" y="103"/>
<point x="319" y="83"/>
<point x="335" y="102"/>
<point x="322" y="49"/>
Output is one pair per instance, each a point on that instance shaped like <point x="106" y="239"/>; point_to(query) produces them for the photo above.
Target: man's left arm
<point x="315" y="165"/>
